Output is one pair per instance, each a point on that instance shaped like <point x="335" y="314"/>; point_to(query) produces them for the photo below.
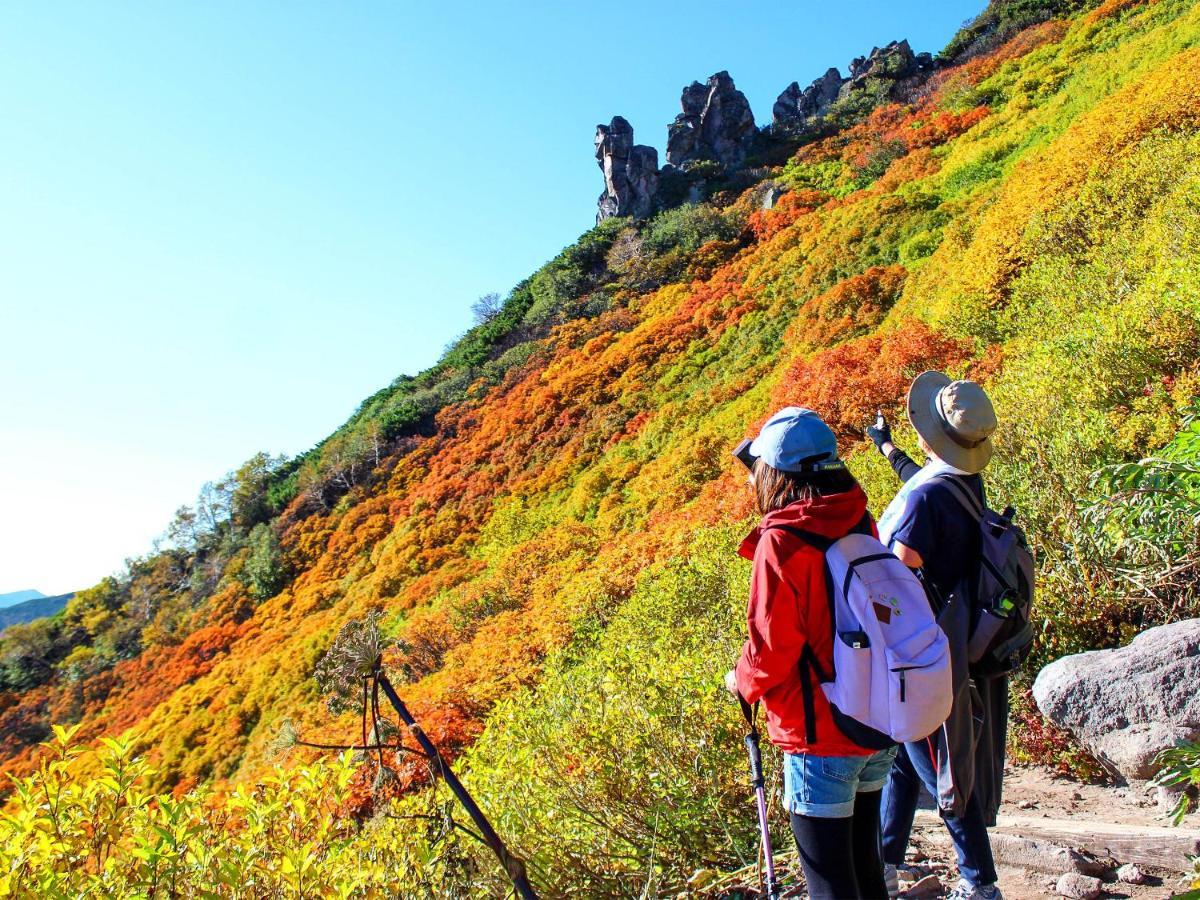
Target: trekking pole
<point x="513" y="865"/>
<point x="760" y="794"/>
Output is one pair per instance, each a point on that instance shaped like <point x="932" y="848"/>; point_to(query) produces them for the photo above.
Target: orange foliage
<point x="1113" y="7"/>
<point x="849" y="308"/>
<point x="847" y="383"/>
<point x="766" y="223"/>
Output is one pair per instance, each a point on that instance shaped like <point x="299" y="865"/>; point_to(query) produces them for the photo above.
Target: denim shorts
<point x="824" y="786"/>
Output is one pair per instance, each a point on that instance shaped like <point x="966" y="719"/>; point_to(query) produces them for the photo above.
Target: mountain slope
<point x="547" y="519"/>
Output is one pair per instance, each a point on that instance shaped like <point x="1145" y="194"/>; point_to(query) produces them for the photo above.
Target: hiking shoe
<point x="892" y="879"/>
<point x="967" y="891"/>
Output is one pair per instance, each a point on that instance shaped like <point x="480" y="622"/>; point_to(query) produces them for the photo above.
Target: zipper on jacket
<point x="901" y="685"/>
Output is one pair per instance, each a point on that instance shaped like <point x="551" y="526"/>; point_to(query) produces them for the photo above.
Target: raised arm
<point x="901" y="462"/>
<point x="881" y="433"/>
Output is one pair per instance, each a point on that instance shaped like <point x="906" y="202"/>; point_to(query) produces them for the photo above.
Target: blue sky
<point x="224" y="224"/>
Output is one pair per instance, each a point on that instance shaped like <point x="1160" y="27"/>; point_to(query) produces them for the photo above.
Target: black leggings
<point x="841" y="856"/>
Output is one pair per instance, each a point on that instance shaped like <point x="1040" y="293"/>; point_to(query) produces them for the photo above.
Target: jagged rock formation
<point x="630" y="172"/>
<point x="795" y="106"/>
<point x="894" y="63"/>
<point x="893" y="68"/>
<point x="715" y="124"/>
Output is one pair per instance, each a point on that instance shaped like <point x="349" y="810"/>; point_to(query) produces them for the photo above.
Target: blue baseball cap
<point x="796" y="440"/>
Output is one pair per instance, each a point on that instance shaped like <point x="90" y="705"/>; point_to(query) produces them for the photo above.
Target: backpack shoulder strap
<point x="822" y="543"/>
<point x="963" y="495"/>
<point x="818" y="541"/>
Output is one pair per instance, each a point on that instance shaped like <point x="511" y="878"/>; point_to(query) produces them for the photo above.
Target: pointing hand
<point x="880" y="432"/>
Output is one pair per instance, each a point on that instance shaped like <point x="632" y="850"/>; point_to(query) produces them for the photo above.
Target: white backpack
<point x="891" y="679"/>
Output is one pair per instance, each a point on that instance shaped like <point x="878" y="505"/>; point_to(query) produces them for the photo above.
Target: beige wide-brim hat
<point x="955" y="418"/>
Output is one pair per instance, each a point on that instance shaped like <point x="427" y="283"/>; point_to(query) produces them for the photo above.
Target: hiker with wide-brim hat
<point x="832" y="785"/>
<point x="931" y="531"/>
<point x="954" y="418"/>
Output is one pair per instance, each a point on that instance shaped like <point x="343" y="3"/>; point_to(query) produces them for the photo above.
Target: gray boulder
<point x="771" y="193"/>
<point x="795" y="107"/>
<point x="630" y="172"/>
<point x="715" y="123"/>
<point x="1128" y="704"/>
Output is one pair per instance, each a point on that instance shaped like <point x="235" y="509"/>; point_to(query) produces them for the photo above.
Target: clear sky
<point x="223" y="224"/>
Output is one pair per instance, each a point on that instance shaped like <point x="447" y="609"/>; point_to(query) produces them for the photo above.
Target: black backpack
<point x="1000" y="591"/>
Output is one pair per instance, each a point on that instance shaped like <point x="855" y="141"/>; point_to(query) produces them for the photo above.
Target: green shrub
<point x="919" y="246"/>
<point x="625" y="765"/>
<point x="263" y="571"/>
<point x="687" y="228"/>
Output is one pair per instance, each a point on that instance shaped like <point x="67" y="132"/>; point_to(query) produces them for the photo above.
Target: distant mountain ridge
<point x="34" y="608"/>
<point x="15" y="597"/>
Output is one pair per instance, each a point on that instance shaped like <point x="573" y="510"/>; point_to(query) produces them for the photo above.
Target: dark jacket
<point x="972" y="757"/>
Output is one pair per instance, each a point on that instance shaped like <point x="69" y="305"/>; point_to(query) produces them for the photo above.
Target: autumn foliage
<point x="526" y="515"/>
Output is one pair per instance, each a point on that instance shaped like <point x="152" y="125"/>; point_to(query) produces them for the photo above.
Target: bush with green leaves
<point x="622" y="772"/>
<point x="1179" y="770"/>
<point x="687" y="227"/>
<point x="85" y="825"/>
<point x="263" y="571"/>
<point x="1147" y="519"/>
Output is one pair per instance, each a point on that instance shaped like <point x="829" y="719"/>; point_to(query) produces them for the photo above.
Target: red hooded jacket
<point x="789" y="607"/>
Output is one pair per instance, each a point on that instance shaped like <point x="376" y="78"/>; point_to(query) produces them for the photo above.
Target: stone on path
<point x="929" y="886"/>
<point x="1131" y="874"/>
<point x="1081" y="887"/>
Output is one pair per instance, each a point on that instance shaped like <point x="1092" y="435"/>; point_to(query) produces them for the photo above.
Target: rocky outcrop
<point x="892" y="66"/>
<point x="891" y="69"/>
<point x="715" y="123"/>
<point x="795" y="107"/>
<point x="630" y="172"/>
<point x="1079" y="887"/>
<point x="1127" y="705"/>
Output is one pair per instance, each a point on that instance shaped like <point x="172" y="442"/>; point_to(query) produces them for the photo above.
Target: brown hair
<point x="774" y="489"/>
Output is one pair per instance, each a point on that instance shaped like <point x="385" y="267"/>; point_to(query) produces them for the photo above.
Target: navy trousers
<point x="913" y="767"/>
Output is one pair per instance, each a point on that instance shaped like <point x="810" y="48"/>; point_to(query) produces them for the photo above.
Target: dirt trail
<point x="1033" y="793"/>
<point x="1034" y="798"/>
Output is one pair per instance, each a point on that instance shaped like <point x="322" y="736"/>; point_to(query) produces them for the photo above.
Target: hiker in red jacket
<point x="831" y="785"/>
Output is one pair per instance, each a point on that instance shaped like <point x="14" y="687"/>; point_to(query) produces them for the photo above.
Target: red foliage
<point x="847" y="309"/>
<point x="987" y="366"/>
<point x="1044" y="743"/>
<point x="941" y="127"/>
<point x="847" y="383"/>
<point x="766" y="223"/>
